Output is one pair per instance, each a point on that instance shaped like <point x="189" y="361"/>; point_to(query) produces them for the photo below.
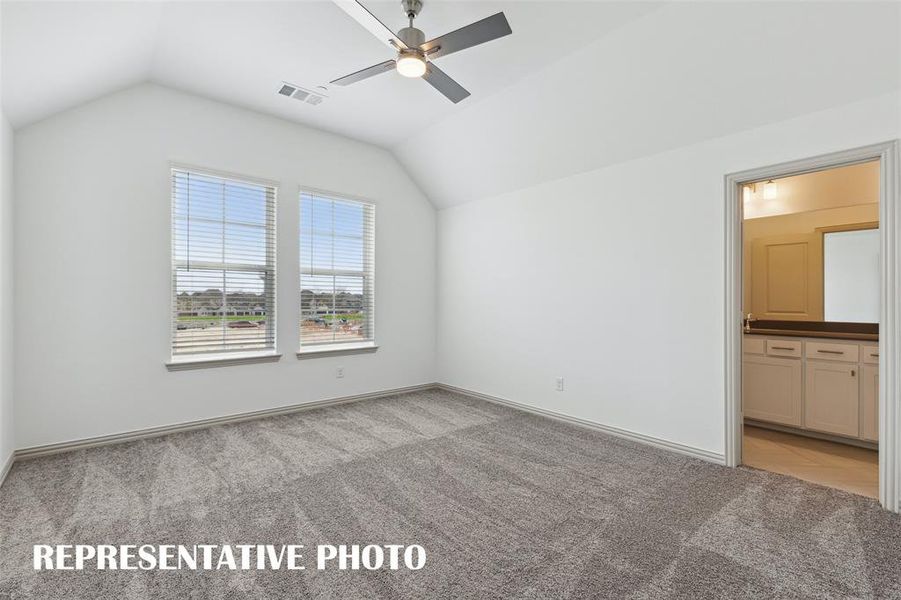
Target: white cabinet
<point x="771" y="389"/>
<point x="869" y="355"/>
<point x="831" y="398"/>
<point x="824" y="385"/>
<point x="869" y="410"/>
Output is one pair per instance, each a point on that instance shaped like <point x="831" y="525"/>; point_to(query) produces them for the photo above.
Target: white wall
<point x="93" y="265"/>
<point x="7" y="438"/>
<point x="614" y="279"/>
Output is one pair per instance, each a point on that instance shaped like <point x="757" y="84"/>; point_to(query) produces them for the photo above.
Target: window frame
<point x="222" y="357"/>
<point x="368" y="345"/>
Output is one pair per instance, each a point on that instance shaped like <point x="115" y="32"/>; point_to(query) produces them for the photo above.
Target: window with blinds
<point x="223" y="265"/>
<point x="337" y="270"/>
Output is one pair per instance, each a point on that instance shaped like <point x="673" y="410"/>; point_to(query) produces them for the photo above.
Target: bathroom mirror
<point x="851" y="276"/>
<point x="830" y="274"/>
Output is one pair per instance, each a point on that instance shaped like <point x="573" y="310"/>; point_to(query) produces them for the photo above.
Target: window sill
<point x="220" y="360"/>
<point x="337" y="349"/>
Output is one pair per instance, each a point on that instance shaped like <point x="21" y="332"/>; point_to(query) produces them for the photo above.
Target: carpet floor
<point x="506" y="504"/>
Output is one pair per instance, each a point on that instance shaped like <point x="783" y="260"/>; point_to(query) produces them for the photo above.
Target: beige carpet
<point x="507" y="505"/>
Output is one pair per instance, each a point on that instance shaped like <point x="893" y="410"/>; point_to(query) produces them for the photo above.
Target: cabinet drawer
<point x="870" y="355"/>
<point x="783" y="348"/>
<point x="753" y="345"/>
<point x="827" y="351"/>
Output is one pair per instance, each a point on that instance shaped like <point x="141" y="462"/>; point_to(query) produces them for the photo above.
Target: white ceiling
<point x="689" y="72"/>
<point x="58" y="54"/>
<point x="579" y="85"/>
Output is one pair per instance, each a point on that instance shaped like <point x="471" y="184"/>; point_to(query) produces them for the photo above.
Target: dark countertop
<point x="868" y="332"/>
<point x="866" y="337"/>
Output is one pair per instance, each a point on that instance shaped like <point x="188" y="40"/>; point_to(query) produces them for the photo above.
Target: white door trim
<point x="888" y="154"/>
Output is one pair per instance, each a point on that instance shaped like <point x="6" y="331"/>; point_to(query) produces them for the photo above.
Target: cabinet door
<point x="787" y="277"/>
<point x="771" y="389"/>
<point x="831" y="401"/>
<point x="869" y="414"/>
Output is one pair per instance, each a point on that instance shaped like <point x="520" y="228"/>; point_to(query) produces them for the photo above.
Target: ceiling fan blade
<point x="489" y="28"/>
<point x="361" y="15"/>
<point x="365" y="73"/>
<point x="442" y="82"/>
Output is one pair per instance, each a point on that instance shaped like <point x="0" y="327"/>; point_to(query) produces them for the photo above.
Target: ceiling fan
<point x="414" y="53"/>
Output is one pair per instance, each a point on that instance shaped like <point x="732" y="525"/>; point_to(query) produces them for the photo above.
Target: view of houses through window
<point x="223" y="252"/>
<point x="336" y="270"/>
<point x="223" y="266"/>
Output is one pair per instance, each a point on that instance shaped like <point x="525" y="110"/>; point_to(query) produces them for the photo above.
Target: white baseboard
<point x="4" y="471"/>
<point x="128" y="436"/>
<point x="692" y="451"/>
<point x="35" y="451"/>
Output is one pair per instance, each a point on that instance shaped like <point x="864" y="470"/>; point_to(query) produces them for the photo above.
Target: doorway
<point x="795" y="377"/>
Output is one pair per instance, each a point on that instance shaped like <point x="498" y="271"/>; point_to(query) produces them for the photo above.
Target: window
<point x="337" y="302"/>
<point x="223" y="265"/>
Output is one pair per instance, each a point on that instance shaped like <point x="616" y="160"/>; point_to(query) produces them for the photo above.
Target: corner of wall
<point x="420" y="190"/>
<point x="7" y="429"/>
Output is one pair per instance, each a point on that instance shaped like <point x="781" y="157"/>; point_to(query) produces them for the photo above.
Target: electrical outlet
<point x="559" y="384"/>
<point x="339" y="373"/>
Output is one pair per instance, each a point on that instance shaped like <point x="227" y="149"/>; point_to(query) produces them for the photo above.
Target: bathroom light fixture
<point x="769" y="190"/>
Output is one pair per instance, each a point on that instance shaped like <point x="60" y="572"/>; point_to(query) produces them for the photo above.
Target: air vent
<point x="301" y="94"/>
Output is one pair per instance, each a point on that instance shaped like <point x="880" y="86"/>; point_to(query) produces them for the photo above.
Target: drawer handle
<point x="781" y="348"/>
<point x="831" y="351"/>
<point x="875" y="355"/>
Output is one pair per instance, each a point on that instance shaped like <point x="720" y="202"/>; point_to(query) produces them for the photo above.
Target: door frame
<point x="888" y="154"/>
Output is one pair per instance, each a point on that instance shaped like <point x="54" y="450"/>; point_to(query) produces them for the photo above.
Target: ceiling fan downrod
<point x="412" y="36"/>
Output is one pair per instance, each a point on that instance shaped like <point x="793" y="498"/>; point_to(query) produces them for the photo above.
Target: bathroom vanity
<point x="817" y="382"/>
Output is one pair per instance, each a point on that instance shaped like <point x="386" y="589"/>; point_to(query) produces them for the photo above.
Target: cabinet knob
<point x="853" y="372"/>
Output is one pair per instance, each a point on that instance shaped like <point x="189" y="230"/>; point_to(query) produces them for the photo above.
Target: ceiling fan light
<point x="411" y="65"/>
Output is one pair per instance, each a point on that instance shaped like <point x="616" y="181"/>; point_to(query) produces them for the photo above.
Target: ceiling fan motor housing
<point x="412" y="37"/>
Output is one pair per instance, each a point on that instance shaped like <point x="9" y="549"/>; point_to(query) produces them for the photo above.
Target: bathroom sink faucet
<point x="748" y="320"/>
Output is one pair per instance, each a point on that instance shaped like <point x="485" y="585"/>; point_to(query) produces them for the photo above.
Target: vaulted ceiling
<point x="56" y="54"/>
<point x="579" y="85"/>
<point x="688" y="72"/>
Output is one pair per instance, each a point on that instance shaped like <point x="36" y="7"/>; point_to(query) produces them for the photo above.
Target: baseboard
<point x="706" y="455"/>
<point x="129" y="436"/>
<point x="118" y="438"/>
<point x="6" y="467"/>
<point x="838" y="439"/>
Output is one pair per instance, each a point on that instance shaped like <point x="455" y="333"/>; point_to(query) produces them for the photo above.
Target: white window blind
<point x="337" y="270"/>
<point x="223" y="265"/>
